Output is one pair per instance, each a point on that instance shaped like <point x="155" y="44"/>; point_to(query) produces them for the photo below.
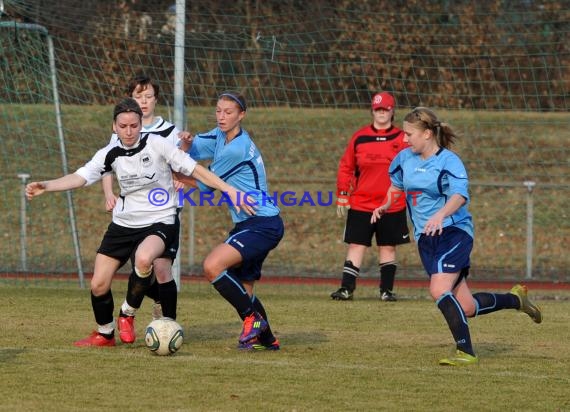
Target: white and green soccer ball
<point x="164" y="336"/>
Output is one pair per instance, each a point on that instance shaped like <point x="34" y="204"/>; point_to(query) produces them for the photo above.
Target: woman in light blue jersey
<point x="434" y="182"/>
<point x="234" y="266"/>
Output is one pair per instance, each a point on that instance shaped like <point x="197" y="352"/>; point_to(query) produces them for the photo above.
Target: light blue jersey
<point x="239" y="163"/>
<point x="429" y="184"/>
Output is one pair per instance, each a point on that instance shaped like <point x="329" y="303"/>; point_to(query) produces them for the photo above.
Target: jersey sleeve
<point x="94" y="169"/>
<point x="457" y="177"/>
<point x="176" y="158"/>
<point x="346" y="168"/>
<point x="173" y="136"/>
<point x="203" y="145"/>
<point x="396" y="171"/>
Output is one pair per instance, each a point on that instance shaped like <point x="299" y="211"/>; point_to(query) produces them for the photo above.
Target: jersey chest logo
<point x="146" y="160"/>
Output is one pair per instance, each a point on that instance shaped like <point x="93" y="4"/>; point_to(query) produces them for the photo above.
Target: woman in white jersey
<point x="146" y="92"/>
<point x="144" y="219"/>
<point x="434" y="182"/>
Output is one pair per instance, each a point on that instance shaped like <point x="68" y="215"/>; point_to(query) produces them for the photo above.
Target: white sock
<point x="107" y="329"/>
<point x="128" y="309"/>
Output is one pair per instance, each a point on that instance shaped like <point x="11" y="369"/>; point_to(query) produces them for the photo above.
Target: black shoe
<point x="342" y="294"/>
<point x="387" y="296"/>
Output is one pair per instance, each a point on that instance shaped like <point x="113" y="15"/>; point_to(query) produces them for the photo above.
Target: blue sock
<point x="456" y="320"/>
<point x="491" y="302"/>
<point x="233" y="291"/>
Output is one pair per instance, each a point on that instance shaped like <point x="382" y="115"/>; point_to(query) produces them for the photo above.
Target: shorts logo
<point x="449" y="265"/>
<point x="238" y="243"/>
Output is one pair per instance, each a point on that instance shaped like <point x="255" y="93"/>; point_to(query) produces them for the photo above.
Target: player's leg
<point x="441" y="286"/>
<point x="102" y="302"/>
<point x="151" y="247"/>
<point x="154" y="247"/>
<point x="440" y="255"/>
<point x="249" y="273"/>
<point x="387" y="259"/>
<point x="239" y="260"/>
<point x="153" y="293"/>
<point x="358" y="235"/>
<point x="391" y="231"/>
<point x="216" y="266"/>
<point x="350" y="272"/>
<point x="167" y="290"/>
<point x="517" y="298"/>
<point x="163" y="270"/>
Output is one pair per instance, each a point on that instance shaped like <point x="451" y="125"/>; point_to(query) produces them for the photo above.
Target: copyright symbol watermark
<point x="158" y="197"/>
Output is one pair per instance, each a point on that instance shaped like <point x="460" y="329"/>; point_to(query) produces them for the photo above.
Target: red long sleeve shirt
<point x="363" y="168"/>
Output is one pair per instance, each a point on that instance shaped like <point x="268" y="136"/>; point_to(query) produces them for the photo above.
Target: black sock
<point x="349" y="275"/>
<point x="233" y="291"/>
<point x="152" y="291"/>
<point x="456" y="320"/>
<point x="266" y="336"/>
<point x="103" y="307"/>
<point x="168" y="298"/>
<point x="136" y="289"/>
<point x="491" y="302"/>
<point x="387" y="276"/>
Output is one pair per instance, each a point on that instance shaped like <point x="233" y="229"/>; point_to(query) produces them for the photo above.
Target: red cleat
<point x="95" y="339"/>
<point x="126" y="329"/>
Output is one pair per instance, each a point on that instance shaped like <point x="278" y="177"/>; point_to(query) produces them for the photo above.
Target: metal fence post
<point x="23" y="222"/>
<point x="529" y="184"/>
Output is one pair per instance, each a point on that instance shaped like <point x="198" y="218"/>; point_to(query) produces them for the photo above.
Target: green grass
<point x="301" y="149"/>
<point x="361" y="355"/>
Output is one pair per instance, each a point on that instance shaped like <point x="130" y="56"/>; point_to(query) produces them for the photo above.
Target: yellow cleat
<point x="532" y="310"/>
<point x="460" y="359"/>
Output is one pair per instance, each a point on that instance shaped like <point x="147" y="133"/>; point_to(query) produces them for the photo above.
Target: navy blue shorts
<point x="446" y="253"/>
<point x="254" y="238"/>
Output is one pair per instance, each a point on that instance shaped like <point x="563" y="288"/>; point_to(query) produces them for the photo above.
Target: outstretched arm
<point x="210" y="179"/>
<point x="67" y="182"/>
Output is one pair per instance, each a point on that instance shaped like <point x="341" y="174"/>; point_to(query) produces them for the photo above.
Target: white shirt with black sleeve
<point x="144" y="175"/>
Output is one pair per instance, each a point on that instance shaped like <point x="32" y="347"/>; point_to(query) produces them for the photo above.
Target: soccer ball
<point x="164" y="336"/>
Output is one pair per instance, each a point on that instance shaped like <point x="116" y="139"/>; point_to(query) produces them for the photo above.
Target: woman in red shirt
<point x="362" y="183"/>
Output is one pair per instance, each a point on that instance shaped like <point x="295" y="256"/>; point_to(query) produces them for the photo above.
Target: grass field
<point x="362" y="355"/>
<point x="301" y="149"/>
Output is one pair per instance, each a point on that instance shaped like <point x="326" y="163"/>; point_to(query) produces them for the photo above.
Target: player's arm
<point x="392" y="195"/>
<point x="434" y="225"/>
<point x="67" y="182"/>
<point x="344" y="178"/>
<point x="182" y="163"/>
<point x="211" y="180"/>
<point x="185" y="140"/>
<point x="110" y="198"/>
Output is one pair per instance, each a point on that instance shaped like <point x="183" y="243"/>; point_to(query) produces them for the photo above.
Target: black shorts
<point x="120" y="242"/>
<point x="390" y="230"/>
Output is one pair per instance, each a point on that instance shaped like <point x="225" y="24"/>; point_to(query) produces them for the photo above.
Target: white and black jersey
<point x="145" y="178"/>
<point x="160" y="127"/>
